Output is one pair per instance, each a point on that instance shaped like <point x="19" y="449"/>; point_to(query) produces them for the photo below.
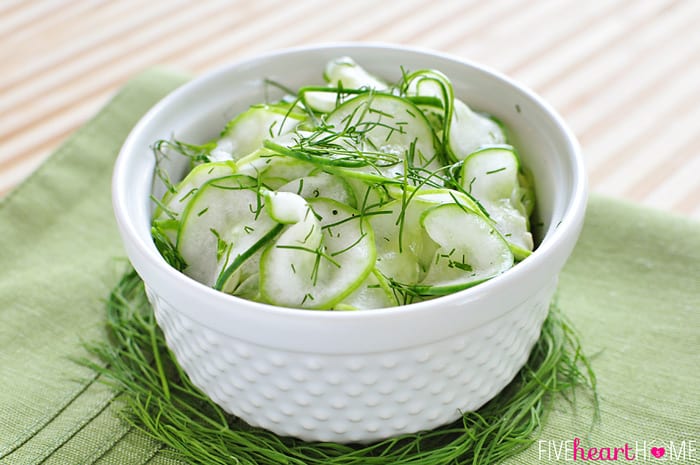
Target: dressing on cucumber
<point x="356" y="194"/>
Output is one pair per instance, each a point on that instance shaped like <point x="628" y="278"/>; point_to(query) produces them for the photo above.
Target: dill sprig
<point x="160" y="400"/>
<point x="196" y="153"/>
<point x="166" y="248"/>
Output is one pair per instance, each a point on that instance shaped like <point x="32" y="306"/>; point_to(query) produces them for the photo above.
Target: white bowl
<point x="364" y="375"/>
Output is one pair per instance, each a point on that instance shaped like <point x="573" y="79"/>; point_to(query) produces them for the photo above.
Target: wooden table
<point x="624" y="74"/>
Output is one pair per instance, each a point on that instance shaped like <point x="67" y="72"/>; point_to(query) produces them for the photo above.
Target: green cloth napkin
<point x="632" y="288"/>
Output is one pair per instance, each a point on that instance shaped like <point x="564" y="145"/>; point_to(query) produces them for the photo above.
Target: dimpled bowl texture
<point x="365" y="375"/>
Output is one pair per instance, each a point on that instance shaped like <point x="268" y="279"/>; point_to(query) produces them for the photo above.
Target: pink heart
<point x="658" y="452"/>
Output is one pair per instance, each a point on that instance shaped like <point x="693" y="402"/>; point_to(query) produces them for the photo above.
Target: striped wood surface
<point x="625" y="74"/>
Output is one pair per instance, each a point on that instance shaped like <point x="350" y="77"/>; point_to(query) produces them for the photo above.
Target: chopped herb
<point x="270" y="129"/>
<point x="186" y="196"/>
<point x="221" y="244"/>
<point x="311" y="230"/>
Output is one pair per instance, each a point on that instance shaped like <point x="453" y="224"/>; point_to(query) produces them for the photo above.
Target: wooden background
<point x="624" y="74"/>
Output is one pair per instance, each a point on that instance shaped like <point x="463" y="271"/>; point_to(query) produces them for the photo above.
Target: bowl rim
<point x="569" y="225"/>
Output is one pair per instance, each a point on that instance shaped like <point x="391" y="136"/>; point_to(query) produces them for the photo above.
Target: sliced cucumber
<point x="167" y="216"/>
<point x="246" y="132"/>
<point x="406" y="252"/>
<point x="470" y="130"/>
<point x="176" y="201"/>
<point x="248" y="288"/>
<point x="223" y="225"/>
<point x="322" y="185"/>
<point x="374" y="292"/>
<point x="318" y="262"/>
<point x="390" y="131"/>
<point x="352" y="76"/>
<point x="432" y="84"/>
<point x="525" y="196"/>
<point x="399" y="242"/>
<point x="513" y="226"/>
<point x="492" y="176"/>
<point x="275" y="170"/>
<point x="435" y="196"/>
<point x="341" y="73"/>
<point x="470" y="250"/>
<point x="343" y="197"/>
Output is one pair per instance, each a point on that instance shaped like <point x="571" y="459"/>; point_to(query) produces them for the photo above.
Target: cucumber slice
<point x="286" y="207"/>
<point x="352" y="208"/>
<point x="222" y="227"/>
<point x="404" y="251"/>
<point x="525" y="196"/>
<point x="175" y="201"/>
<point x="273" y="169"/>
<point x="430" y="83"/>
<point x="319" y="261"/>
<point x="492" y="176"/>
<point x="399" y="241"/>
<point x="390" y="131"/>
<point x="248" y="288"/>
<point x="322" y="185"/>
<point x="470" y="130"/>
<point x="168" y="212"/>
<point x="374" y="292"/>
<point x="470" y="250"/>
<point x="352" y="76"/>
<point x="246" y="132"/>
<point x="341" y="73"/>
<point x="435" y="197"/>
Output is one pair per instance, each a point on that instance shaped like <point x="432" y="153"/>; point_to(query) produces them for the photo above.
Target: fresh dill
<point x="161" y="400"/>
<point x="221" y="244"/>
<point x="166" y="248"/>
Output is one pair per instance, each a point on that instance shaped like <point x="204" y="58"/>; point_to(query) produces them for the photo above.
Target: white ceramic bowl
<point x="365" y="375"/>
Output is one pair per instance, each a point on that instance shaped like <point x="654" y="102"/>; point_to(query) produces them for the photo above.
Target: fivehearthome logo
<point x="573" y="450"/>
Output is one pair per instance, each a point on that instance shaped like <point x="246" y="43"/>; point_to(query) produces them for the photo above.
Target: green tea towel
<point x="632" y="288"/>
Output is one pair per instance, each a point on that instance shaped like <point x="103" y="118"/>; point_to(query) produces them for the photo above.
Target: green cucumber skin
<point x="241" y="258"/>
<point x="500" y="191"/>
<point x="471" y="235"/>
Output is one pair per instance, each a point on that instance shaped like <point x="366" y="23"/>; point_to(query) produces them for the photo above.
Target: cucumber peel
<point x="470" y="250"/>
<point x="492" y="175"/>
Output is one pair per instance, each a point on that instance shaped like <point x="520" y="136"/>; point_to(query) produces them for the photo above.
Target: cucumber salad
<point x="357" y="194"/>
